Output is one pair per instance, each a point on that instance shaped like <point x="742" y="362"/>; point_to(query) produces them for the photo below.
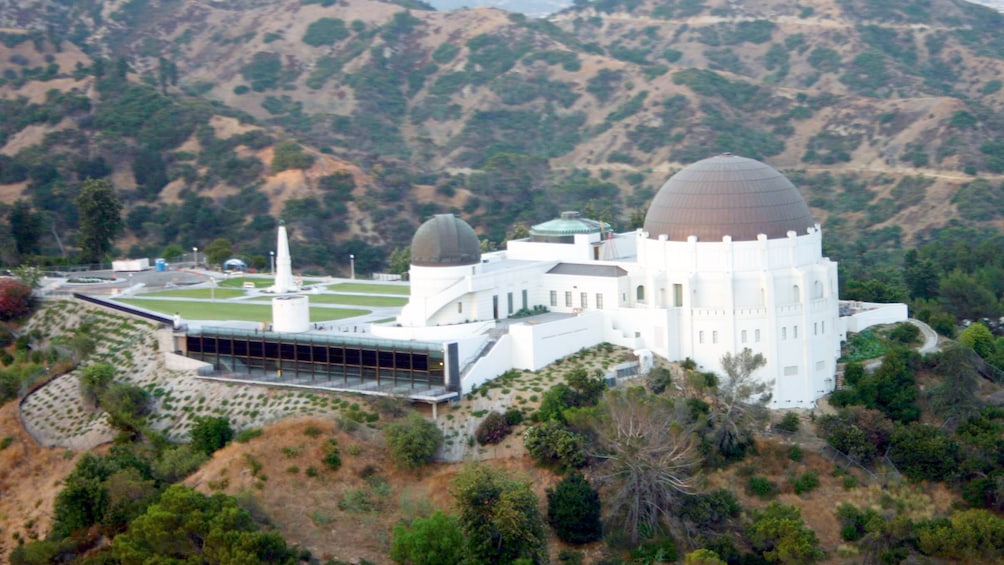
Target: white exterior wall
<point x="776" y="291"/>
<point x="291" y="314"/>
<point x="537" y="345"/>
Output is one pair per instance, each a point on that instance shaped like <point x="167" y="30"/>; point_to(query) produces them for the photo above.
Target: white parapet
<point x="291" y="313"/>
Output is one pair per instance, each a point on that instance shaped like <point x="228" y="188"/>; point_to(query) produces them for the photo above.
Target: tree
<point x="573" y="510"/>
<point x="400" y="261"/>
<point x="211" y="433"/>
<point x="413" y="442"/>
<point x="966" y="298"/>
<point x="551" y="443"/>
<point x="94" y="381"/>
<point x="647" y="457"/>
<point x="966" y="536"/>
<point x="780" y="535"/>
<point x="428" y="541"/>
<point x="126" y="405"/>
<point x="923" y="452"/>
<point x="15" y="299"/>
<point x="188" y="526"/>
<point x="958" y="392"/>
<point x="740" y="399"/>
<point x="218" y="251"/>
<point x="499" y="516"/>
<point x="978" y="337"/>
<point x="100" y="219"/>
<point x="26" y="227"/>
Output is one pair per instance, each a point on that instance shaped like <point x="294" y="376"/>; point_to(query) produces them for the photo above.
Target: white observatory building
<point x="729" y="257"/>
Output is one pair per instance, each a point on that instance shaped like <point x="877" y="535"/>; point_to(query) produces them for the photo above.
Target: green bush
<point x="761" y="487"/>
<point x="325" y="31"/>
<point x="413" y="442"/>
<point x="332" y="455"/>
<point x="573" y="510"/>
<point x="789" y="423"/>
<point x="805" y="482"/>
<point x="493" y="429"/>
<point x="211" y="433"/>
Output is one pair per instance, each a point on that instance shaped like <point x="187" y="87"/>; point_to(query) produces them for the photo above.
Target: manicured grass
<point x="258" y="280"/>
<point x="351" y="300"/>
<point x="372" y="288"/>
<point x="219" y="293"/>
<point x="238" y="282"/>
<point x="234" y="310"/>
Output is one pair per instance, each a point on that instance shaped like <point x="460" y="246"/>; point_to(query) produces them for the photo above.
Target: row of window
<point x="744" y="334"/>
<point x="583" y="300"/>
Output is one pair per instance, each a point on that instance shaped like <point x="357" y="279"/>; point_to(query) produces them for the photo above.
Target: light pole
<point x="271" y="256"/>
<point x="352" y="266"/>
<point x="195" y="252"/>
<point x="212" y="289"/>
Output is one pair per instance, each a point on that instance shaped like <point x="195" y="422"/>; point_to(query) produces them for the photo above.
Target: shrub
<point x="15" y="299"/>
<point x="573" y="510"/>
<point x="211" y="433"/>
<point x="789" y="423"/>
<point x="332" y="458"/>
<point x="492" y="429"/>
<point x="514" y="416"/>
<point x="805" y="482"/>
<point x="413" y="442"/>
<point x="550" y="443"/>
<point x="761" y="487"/>
<point x="658" y="379"/>
<point x="325" y="31"/>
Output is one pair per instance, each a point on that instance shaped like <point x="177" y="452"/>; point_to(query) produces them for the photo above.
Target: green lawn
<point x="233" y="310"/>
<point x="351" y="300"/>
<point x="371" y="288"/>
<point x="220" y="293"/>
<point x="238" y="282"/>
<point x="258" y="280"/>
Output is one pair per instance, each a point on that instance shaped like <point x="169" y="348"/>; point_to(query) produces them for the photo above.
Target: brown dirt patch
<point x="30" y="478"/>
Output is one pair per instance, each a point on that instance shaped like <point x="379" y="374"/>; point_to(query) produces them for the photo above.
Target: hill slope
<point x="506" y="119"/>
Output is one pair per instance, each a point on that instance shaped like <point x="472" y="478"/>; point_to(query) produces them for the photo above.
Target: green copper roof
<point x="570" y="223"/>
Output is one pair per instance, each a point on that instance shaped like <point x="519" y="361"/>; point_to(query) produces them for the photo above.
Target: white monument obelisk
<point x="284" y="281"/>
<point x="289" y="313"/>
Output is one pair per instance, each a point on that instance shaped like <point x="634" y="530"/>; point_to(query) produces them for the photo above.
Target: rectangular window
<point x="568" y="298"/>
<point x="554" y="298"/>
<point x="700" y="336"/>
<point x="677" y="295"/>
<point x="794" y="332"/>
<point x="599" y="301"/>
<point x="460" y="307"/>
<point x="823" y="327"/>
<point x="714" y="336"/>
<point x="791" y="370"/>
<point x="756" y="336"/>
<point x="820" y="365"/>
<point x="743" y="336"/>
<point x="509" y="302"/>
<point x="784" y="333"/>
<point x="584" y="299"/>
<point x="815" y="328"/>
<point x="525" y="301"/>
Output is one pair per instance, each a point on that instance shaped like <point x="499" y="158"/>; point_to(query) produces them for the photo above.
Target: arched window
<point x="796" y="294"/>
<point x="817" y="289"/>
<point x="640" y="293"/>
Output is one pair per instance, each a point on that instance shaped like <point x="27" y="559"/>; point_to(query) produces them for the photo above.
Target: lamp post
<point x="212" y="289"/>
<point x="271" y="256"/>
<point x="195" y="253"/>
<point x="352" y="266"/>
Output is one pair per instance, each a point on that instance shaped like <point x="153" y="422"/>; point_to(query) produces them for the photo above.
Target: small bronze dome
<point x="727" y="195"/>
<point x="445" y="241"/>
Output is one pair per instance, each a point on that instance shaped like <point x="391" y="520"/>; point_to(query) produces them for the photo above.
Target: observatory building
<point x="730" y="257"/>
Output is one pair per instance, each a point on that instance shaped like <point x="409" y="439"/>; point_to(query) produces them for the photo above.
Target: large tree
<point x="500" y="517"/>
<point x="647" y="457"/>
<point x="740" y="399"/>
<point x="100" y="219"/>
<point x="26" y="227"/>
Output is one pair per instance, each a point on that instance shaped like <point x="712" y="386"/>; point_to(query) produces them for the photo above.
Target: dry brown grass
<point x="30" y="478"/>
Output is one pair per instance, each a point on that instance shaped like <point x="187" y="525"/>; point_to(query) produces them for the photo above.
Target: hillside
<point x="887" y="116"/>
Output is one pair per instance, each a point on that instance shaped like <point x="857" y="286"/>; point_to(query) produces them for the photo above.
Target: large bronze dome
<point x="727" y="195"/>
<point x="445" y="241"/>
